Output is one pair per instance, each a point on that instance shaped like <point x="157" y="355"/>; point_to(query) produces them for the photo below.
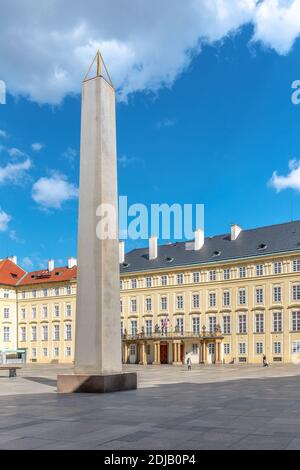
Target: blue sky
<point x="214" y="136"/>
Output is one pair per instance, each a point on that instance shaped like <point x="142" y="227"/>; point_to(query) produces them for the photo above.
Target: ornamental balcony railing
<point x="161" y="335"/>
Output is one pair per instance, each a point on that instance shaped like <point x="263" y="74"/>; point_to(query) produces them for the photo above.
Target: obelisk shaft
<point x="98" y="340"/>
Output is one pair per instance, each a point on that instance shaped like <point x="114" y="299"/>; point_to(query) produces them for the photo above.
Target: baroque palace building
<point x="223" y="299"/>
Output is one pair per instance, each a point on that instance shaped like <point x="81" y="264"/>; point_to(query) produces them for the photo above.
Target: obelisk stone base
<point x="86" y="383"/>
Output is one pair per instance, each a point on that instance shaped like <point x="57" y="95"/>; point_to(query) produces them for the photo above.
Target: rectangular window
<point x="196" y="325"/>
<point x="68" y="351"/>
<point x="296" y="347"/>
<point x="212" y="323"/>
<point x="242" y="271"/>
<point x="56" y="332"/>
<point x="56" y="310"/>
<point x="277" y="267"/>
<point x="259" y="323"/>
<point x="56" y="352"/>
<point x="212" y="299"/>
<point x="196" y="277"/>
<point x="45" y="292"/>
<point x="195" y="349"/>
<point x="164" y="303"/>
<point x="45" y="311"/>
<point x="148" y="325"/>
<point x="277" y="347"/>
<point x="33" y="312"/>
<point x="23" y="333"/>
<point x="56" y="291"/>
<point x="33" y="353"/>
<point x="259" y="295"/>
<point x="6" y="333"/>
<point x="6" y="312"/>
<point x="295" y="321"/>
<point x="277" y="294"/>
<point x="259" y="270"/>
<point x="134" y="328"/>
<point x="296" y="265"/>
<point x="296" y="292"/>
<point x="121" y="285"/>
<point x="179" y="278"/>
<point x="226" y="298"/>
<point x="148" y="304"/>
<point x="277" y="322"/>
<point x="179" y="302"/>
<point x="122" y="327"/>
<point x="164" y="280"/>
<point x="45" y="352"/>
<point x="6" y="293"/>
<point x="121" y="305"/>
<point x="68" y="332"/>
<point x="242" y="297"/>
<point x="226" y="348"/>
<point x="132" y="350"/>
<point x="148" y="281"/>
<point x="33" y="333"/>
<point x="180" y="325"/>
<point x="196" y="301"/>
<point x="226" y="324"/>
<point x="259" y="348"/>
<point x="133" y="283"/>
<point x="23" y="313"/>
<point x="133" y="306"/>
<point x="242" y="323"/>
<point x="242" y="348"/>
<point x="226" y="274"/>
<point x="33" y="293"/>
<point x="68" y="310"/>
<point x="68" y="290"/>
<point x="45" y="333"/>
<point x="212" y="275"/>
<point x="23" y="294"/>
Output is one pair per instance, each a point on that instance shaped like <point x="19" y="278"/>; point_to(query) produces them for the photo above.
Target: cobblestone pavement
<point x="212" y="407"/>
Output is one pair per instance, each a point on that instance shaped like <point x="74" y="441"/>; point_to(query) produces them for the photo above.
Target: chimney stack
<point x="235" y="231"/>
<point x="72" y="262"/>
<point x="51" y="265"/>
<point x="199" y="239"/>
<point x="121" y="252"/>
<point x="153" y="247"/>
<point x="13" y="259"/>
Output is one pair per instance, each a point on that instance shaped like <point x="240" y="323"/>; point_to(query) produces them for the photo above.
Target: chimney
<point x="51" y="265"/>
<point x="153" y="247"/>
<point x="121" y="252"/>
<point x="199" y="239"/>
<point x="235" y="231"/>
<point x="13" y="259"/>
<point x="72" y="262"/>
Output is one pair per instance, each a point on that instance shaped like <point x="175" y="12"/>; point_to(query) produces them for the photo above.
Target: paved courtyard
<point x="213" y="407"/>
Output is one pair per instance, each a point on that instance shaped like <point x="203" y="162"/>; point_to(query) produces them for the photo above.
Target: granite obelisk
<point x="98" y="366"/>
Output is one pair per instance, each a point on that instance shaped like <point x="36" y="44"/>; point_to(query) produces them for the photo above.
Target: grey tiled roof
<point x="277" y="238"/>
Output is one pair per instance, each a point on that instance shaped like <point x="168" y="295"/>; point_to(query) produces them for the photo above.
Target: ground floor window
<point x="33" y="352"/>
<point x="132" y="350"/>
<point x="259" y="348"/>
<point x="195" y="349"/>
<point x="242" y="348"/>
<point x="296" y="347"/>
<point x="68" y="351"/>
<point x="45" y="352"/>
<point x="277" y="347"/>
<point x="211" y="348"/>
<point x="56" y="352"/>
<point x="226" y="348"/>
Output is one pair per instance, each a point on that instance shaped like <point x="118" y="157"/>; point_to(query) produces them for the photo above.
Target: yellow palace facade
<point x="230" y="298"/>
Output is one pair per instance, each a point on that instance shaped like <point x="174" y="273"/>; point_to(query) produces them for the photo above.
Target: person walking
<point x="265" y="362"/>
<point x="189" y="363"/>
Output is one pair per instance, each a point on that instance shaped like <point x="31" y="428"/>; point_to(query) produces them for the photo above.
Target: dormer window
<point x="262" y="246"/>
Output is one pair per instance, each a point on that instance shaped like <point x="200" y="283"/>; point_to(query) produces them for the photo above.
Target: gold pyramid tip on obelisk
<point x="101" y="69"/>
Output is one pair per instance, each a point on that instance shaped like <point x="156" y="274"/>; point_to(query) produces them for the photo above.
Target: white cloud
<point x="4" y="221"/>
<point x="51" y="192"/>
<point x="27" y="262"/>
<point x="70" y="154"/>
<point x="15" y="152"/>
<point x="14" y="172"/>
<point x="126" y="161"/>
<point x="3" y="134"/>
<point x="146" y="45"/>
<point x="290" y="181"/>
<point x="37" y="146"/>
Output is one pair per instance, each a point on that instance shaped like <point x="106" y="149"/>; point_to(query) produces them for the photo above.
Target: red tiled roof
<point x="44" y="276"/>
<point x="10" y="273"/>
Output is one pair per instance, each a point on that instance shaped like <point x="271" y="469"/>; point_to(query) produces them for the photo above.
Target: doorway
<point x="211" y="353"/>
<point x="164" y="354"/>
